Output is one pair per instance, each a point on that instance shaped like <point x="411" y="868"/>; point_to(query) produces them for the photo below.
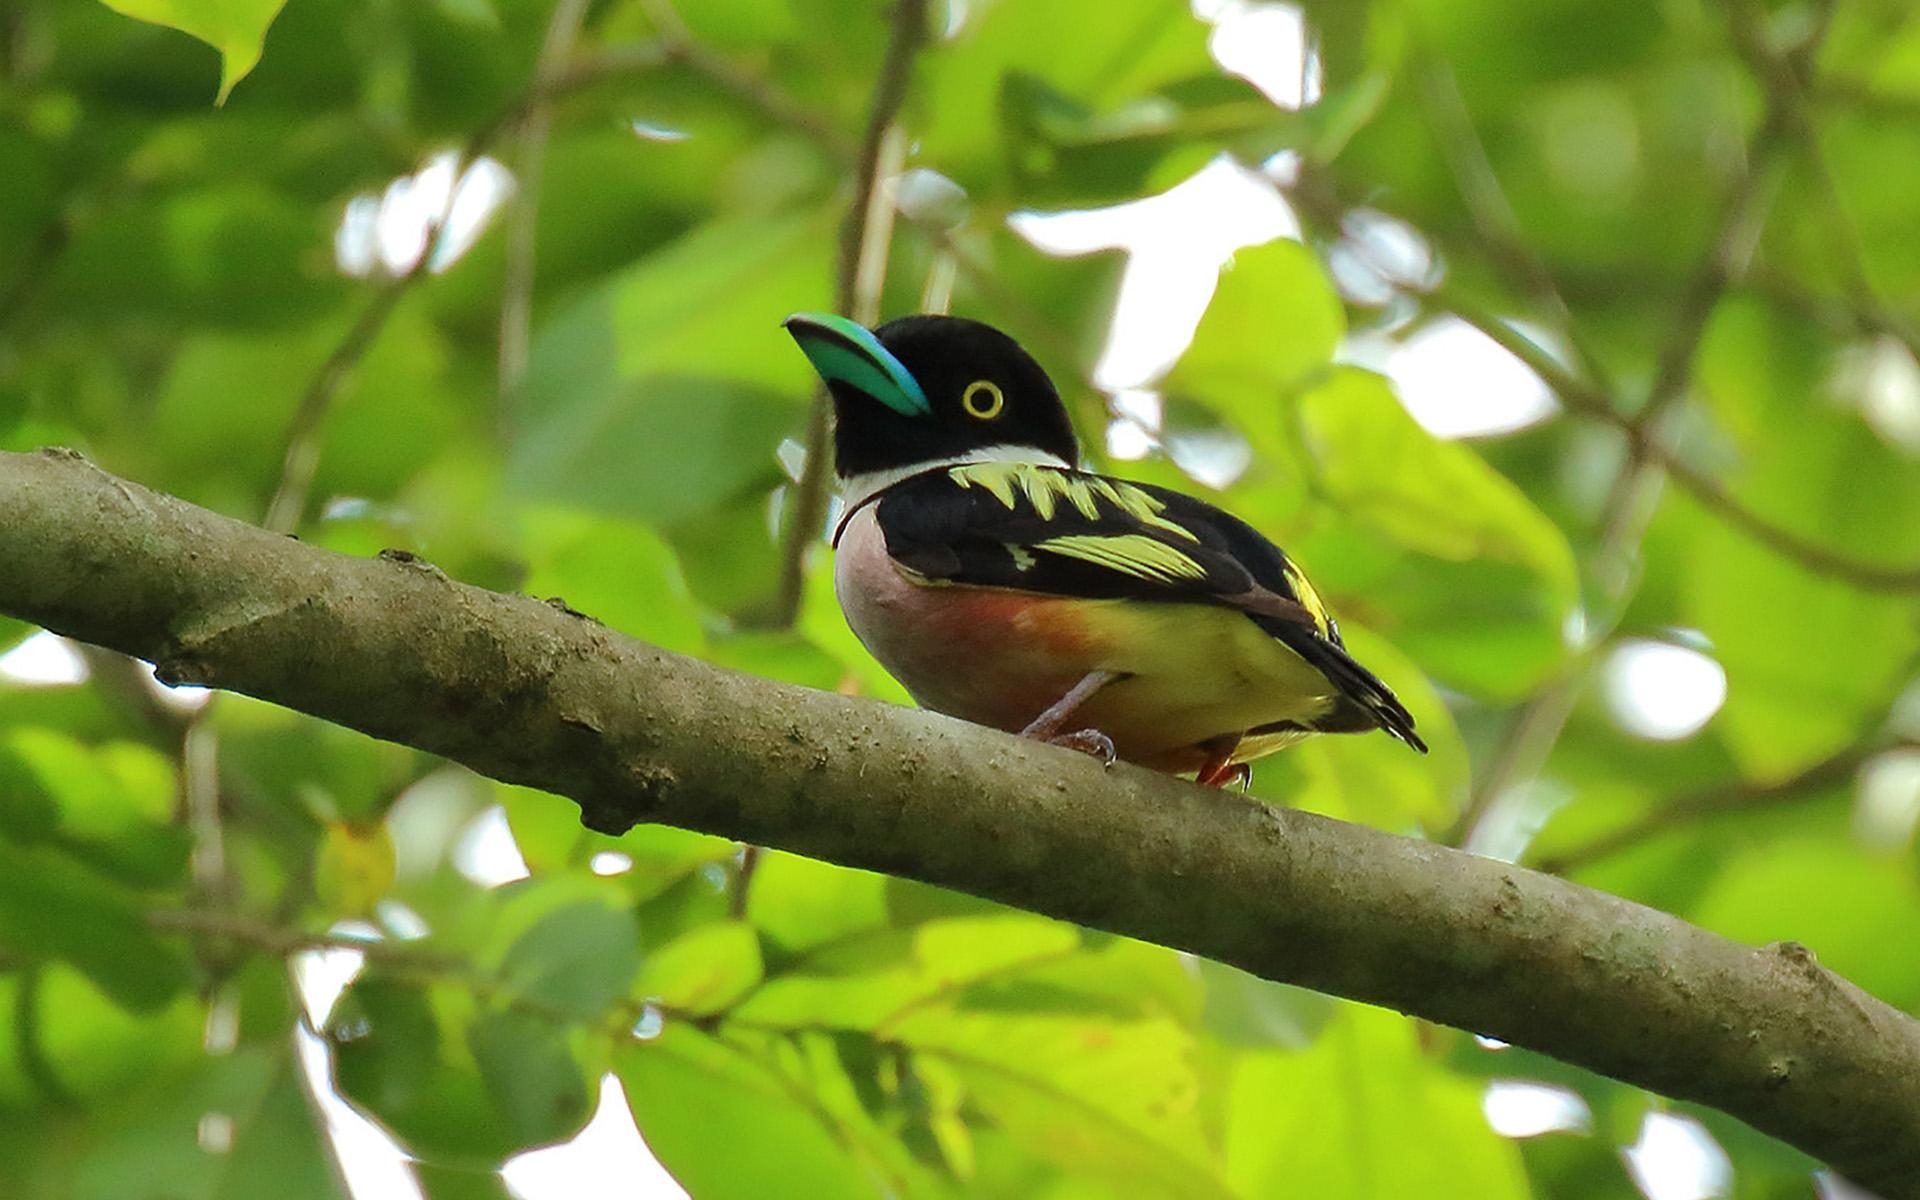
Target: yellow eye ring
<point x="983" y="399"/>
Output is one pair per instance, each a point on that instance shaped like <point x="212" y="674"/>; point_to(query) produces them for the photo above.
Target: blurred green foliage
<point x="1702" y="209"/>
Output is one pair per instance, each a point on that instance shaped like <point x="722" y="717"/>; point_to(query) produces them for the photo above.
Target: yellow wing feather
<point x="1044" y="489"/>
<point x="1303" y="591"/>
<point x="1133" y="554"/>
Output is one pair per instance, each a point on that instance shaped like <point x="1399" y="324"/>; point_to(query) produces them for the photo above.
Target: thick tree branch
<point x="529" y="693"/>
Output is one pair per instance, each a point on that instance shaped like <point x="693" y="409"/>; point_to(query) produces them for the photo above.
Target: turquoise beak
<point x="844" y="351"/>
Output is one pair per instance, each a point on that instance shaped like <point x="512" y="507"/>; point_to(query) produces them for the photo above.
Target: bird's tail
<point x="1365" y="702"/>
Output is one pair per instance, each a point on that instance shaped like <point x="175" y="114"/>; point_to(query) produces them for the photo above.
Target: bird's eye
<point x="983" y="399"/>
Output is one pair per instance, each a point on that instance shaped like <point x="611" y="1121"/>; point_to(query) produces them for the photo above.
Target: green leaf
<point x="546" y="827"/>
<point x="29" y="809"/>
<point x="110" y="807"/>
<point x="665" y="391"/>
<point x="204" y="260"/>
<point x="1272" y="325"/>
<point x="1081" y="1052"/>
<point x="1432" y="496"/>
<point x="873" y="981"/>
<point x="539" y="1090"/>
<point x="617" y="572"/>
<point x="89" y="1046"/>
<point x="800" y="903"/>
<point x="729" y="1127"/>
<point x="151" y="1149"/>
<point x="236" y="28"/>
<point x="576" y="960"/>
<point x="399" y="412"/>
<point x="400" y="1055"/>
<point x="548" y="831"/>
<point x="305" y="770"/>
<point x="1120" y="1100"/>
<point x="1844" y="905"/>
<point x="1363" y="1114"/>
<point x="1246" y="1010"/>
<point x="1793" y="700"/>
<point x="51" y="907"/>
<point x="704" y="970"/>
<point x="1008" y="69"/>
<point x="1449" y="557"/>
<point x="1064" y="152"/>
<point x="354" y="867"/>
<point x="442" y="1181"/>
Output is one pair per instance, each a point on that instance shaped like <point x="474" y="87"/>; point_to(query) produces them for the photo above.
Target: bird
<point x="1003" y="584"/>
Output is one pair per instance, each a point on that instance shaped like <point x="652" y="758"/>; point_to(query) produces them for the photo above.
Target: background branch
<point x="527" y="693"/>
<point x="1723" y="798"/>
<point x="1632" y="498"/>
<point x="523" y="216"/>
<point x="1586" y="401"/>
<point x="864" y="237"/>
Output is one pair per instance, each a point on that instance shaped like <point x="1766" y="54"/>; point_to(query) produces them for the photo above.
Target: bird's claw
<point x="1227" y="775"/>
<point x="1088" y="741"/>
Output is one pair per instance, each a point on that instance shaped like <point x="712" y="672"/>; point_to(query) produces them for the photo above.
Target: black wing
<point x="1064" y="532"/>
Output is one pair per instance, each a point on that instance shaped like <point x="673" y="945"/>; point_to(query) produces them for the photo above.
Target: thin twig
<point x="129" y="683"/>
<point x="1713" y="801"/>
<point x="759" y="93"/>
<point x="589" y="69"/>
<point x="1581" y="399"/>
<point x="1782" y="73"/>
<point x="1630" y="503"/>
<point x="523" y="218"/>
<point x="301" y="460"/>
<point x="401" y="959"/>
<point x="1742" y="215"/>
<point x="274" y="939"/>
<point x="1035" y="326"/>
<point x="750" y="87"/>
<point x="866" y="235"/>
<point x="315" y="1088"/>
<point x="863" y="239"/>
<point x="1858" y="96"/>
<point x="1492" y="214"/>
<point x="1842" y="317"/>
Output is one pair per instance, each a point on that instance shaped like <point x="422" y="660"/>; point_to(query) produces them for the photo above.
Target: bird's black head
<point x="926" y="388"/>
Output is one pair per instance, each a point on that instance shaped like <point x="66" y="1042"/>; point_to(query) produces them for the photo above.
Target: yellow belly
<point x="1193" y="673"/>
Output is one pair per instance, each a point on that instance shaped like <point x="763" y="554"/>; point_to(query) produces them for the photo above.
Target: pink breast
<point x="988" y="655"/>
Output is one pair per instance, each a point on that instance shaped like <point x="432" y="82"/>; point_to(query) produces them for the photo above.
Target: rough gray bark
<point x="531" y="693"/>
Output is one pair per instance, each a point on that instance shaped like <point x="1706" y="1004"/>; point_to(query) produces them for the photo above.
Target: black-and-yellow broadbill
<point x="1003" y="585"/>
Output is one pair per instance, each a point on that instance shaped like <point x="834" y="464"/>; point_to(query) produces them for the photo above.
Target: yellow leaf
<point x="354" y="867"/>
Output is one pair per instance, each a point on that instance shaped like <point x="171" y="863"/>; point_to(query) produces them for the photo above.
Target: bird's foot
<point x="1226" y="774"/>
<point x="1087" y="741"/>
